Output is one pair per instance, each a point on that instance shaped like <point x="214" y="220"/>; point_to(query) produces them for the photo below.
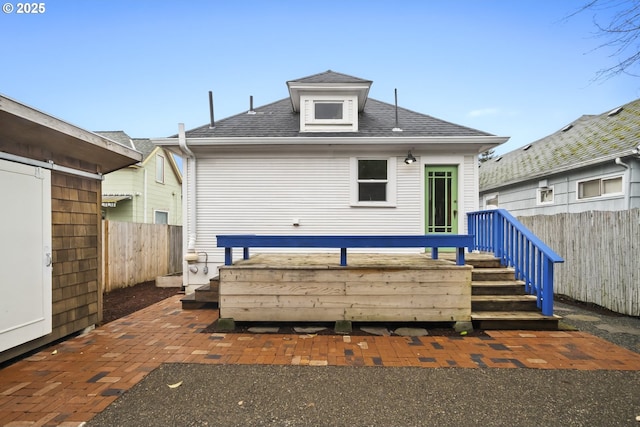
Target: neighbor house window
<point x="491" y="201"/>
<point x="610" y="186"/>
<point x="545" y="196"/>
<point x="159" y="169"/>
<point x="161" y="217"/>
<point x="373" y="182"/>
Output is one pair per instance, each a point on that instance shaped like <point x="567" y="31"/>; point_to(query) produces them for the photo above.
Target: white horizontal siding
<point x="258" y="195"/>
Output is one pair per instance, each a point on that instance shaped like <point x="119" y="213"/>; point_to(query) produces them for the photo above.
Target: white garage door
<point x="25" y="253"/>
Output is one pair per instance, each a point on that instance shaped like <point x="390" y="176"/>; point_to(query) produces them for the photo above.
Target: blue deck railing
<point x="500" y="232"/>
<point x="433" y="241"/>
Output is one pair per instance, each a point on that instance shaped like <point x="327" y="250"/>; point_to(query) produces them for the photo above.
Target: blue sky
<point x="512" y="68"/>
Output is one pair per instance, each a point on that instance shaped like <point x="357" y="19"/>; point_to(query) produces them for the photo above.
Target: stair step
<point x="526" y="320"/>
<point x="189" y="302"/>
<point x="504" y="303"/>
<point x="207" y="293"/>
<point x="497" y="287"/>
<point x="492" y="274"/>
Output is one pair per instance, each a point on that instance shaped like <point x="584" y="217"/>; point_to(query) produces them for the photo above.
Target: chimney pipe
<point x="251" y="105"/>
<point x="397" y="128"/>
<point x="212" y="123"/>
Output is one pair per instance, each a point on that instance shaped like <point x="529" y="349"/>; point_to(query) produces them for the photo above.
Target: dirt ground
<point x="121" y="302"/>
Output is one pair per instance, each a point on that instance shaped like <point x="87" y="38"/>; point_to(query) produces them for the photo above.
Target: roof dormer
<point x="329" y="101"/>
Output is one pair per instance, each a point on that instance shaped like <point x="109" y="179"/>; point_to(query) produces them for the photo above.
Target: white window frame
<point x="392" y="166"/>
<point x="160" y="168"/>
<point x="488" y="197"/>
<point x="539" y="191"/>
<point x="348" y="122"/>
<point x="601" y="179"/>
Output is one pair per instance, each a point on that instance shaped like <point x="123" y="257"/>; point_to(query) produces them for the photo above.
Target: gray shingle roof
<point x="143" y="145"/>
<point x="118" y="136"/>
<point x="329" y="77"/>
<point x="591" y="139"/>
<point x="377" y="120"/>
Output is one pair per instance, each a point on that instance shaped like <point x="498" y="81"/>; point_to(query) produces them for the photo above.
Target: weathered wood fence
<point x="134" y="253"/>
<point x="600" y="250"/>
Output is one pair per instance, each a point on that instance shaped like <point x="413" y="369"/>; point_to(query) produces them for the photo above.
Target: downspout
<point x="627" y="193"/>
<point x="145" y="217"/>
<point x="190" y="176"/>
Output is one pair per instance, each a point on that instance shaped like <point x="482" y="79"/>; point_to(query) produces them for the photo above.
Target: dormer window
<point x="328" y="113"/>
<point x="328" y="110"/>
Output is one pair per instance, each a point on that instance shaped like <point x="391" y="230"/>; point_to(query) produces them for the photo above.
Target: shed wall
<point x="76" y="250"/>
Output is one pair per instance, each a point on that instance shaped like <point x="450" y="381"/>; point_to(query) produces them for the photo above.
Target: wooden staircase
<point x="206" y="296"/>
<point x="498" y="301"/>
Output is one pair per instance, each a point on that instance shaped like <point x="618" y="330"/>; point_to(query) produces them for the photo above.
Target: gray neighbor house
<point x="591" y="164"/>
<point x="578" y="190"/>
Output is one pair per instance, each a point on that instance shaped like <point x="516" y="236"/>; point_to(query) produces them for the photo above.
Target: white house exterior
<point x="328" y="160"/>
<point x="592" y="164"/>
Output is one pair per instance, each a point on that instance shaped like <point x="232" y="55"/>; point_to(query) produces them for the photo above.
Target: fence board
<point x="600" y="252"/>
<point x="134" y="253"/>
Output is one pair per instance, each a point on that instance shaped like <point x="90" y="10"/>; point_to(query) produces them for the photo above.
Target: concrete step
<point x="497" y="287"/>
<point x="526" y="320"/>
<point x="504" y="303"/>
<point x="492" y="274"/>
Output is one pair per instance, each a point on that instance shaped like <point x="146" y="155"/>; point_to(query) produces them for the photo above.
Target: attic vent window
<point x="566" y="128"/>
<point x="328" y="110"/>
<point x="614" y="112"/>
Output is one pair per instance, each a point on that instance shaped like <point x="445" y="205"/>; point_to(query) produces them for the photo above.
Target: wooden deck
<point x="373" y="287"/>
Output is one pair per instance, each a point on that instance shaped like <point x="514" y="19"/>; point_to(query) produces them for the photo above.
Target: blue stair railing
<point x="498" y="231"/>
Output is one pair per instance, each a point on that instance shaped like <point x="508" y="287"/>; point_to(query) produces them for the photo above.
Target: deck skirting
<point x="374" y="287"/>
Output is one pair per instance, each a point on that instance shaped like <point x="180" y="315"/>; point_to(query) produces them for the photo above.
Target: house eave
<point x="481" y="143"/>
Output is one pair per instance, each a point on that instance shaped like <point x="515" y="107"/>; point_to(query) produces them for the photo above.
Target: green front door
<point x="441" y="210"/>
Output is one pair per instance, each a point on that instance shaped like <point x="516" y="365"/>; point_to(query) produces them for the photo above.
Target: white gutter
<point x="189" y="211"/>
<point x="319" y="140"/>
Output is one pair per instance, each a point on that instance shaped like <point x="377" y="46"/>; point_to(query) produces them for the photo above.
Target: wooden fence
<point x="134" y="253"/>
<point x="600" y="250"/>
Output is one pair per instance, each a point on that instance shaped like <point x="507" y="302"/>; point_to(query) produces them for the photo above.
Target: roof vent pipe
<point x="251" y="105"/>
<point x="212" y="124"/>
<point x="397" y="128"/>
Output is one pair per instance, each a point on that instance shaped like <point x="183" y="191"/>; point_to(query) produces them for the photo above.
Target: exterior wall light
<point x="409" y="159"/>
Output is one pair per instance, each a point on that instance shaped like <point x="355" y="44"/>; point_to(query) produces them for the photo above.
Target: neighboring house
<point x="51" y="245"/>
<point x="325" y="160"/>
<point x="148" y="192"/>
<point x="590" y="164"/>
